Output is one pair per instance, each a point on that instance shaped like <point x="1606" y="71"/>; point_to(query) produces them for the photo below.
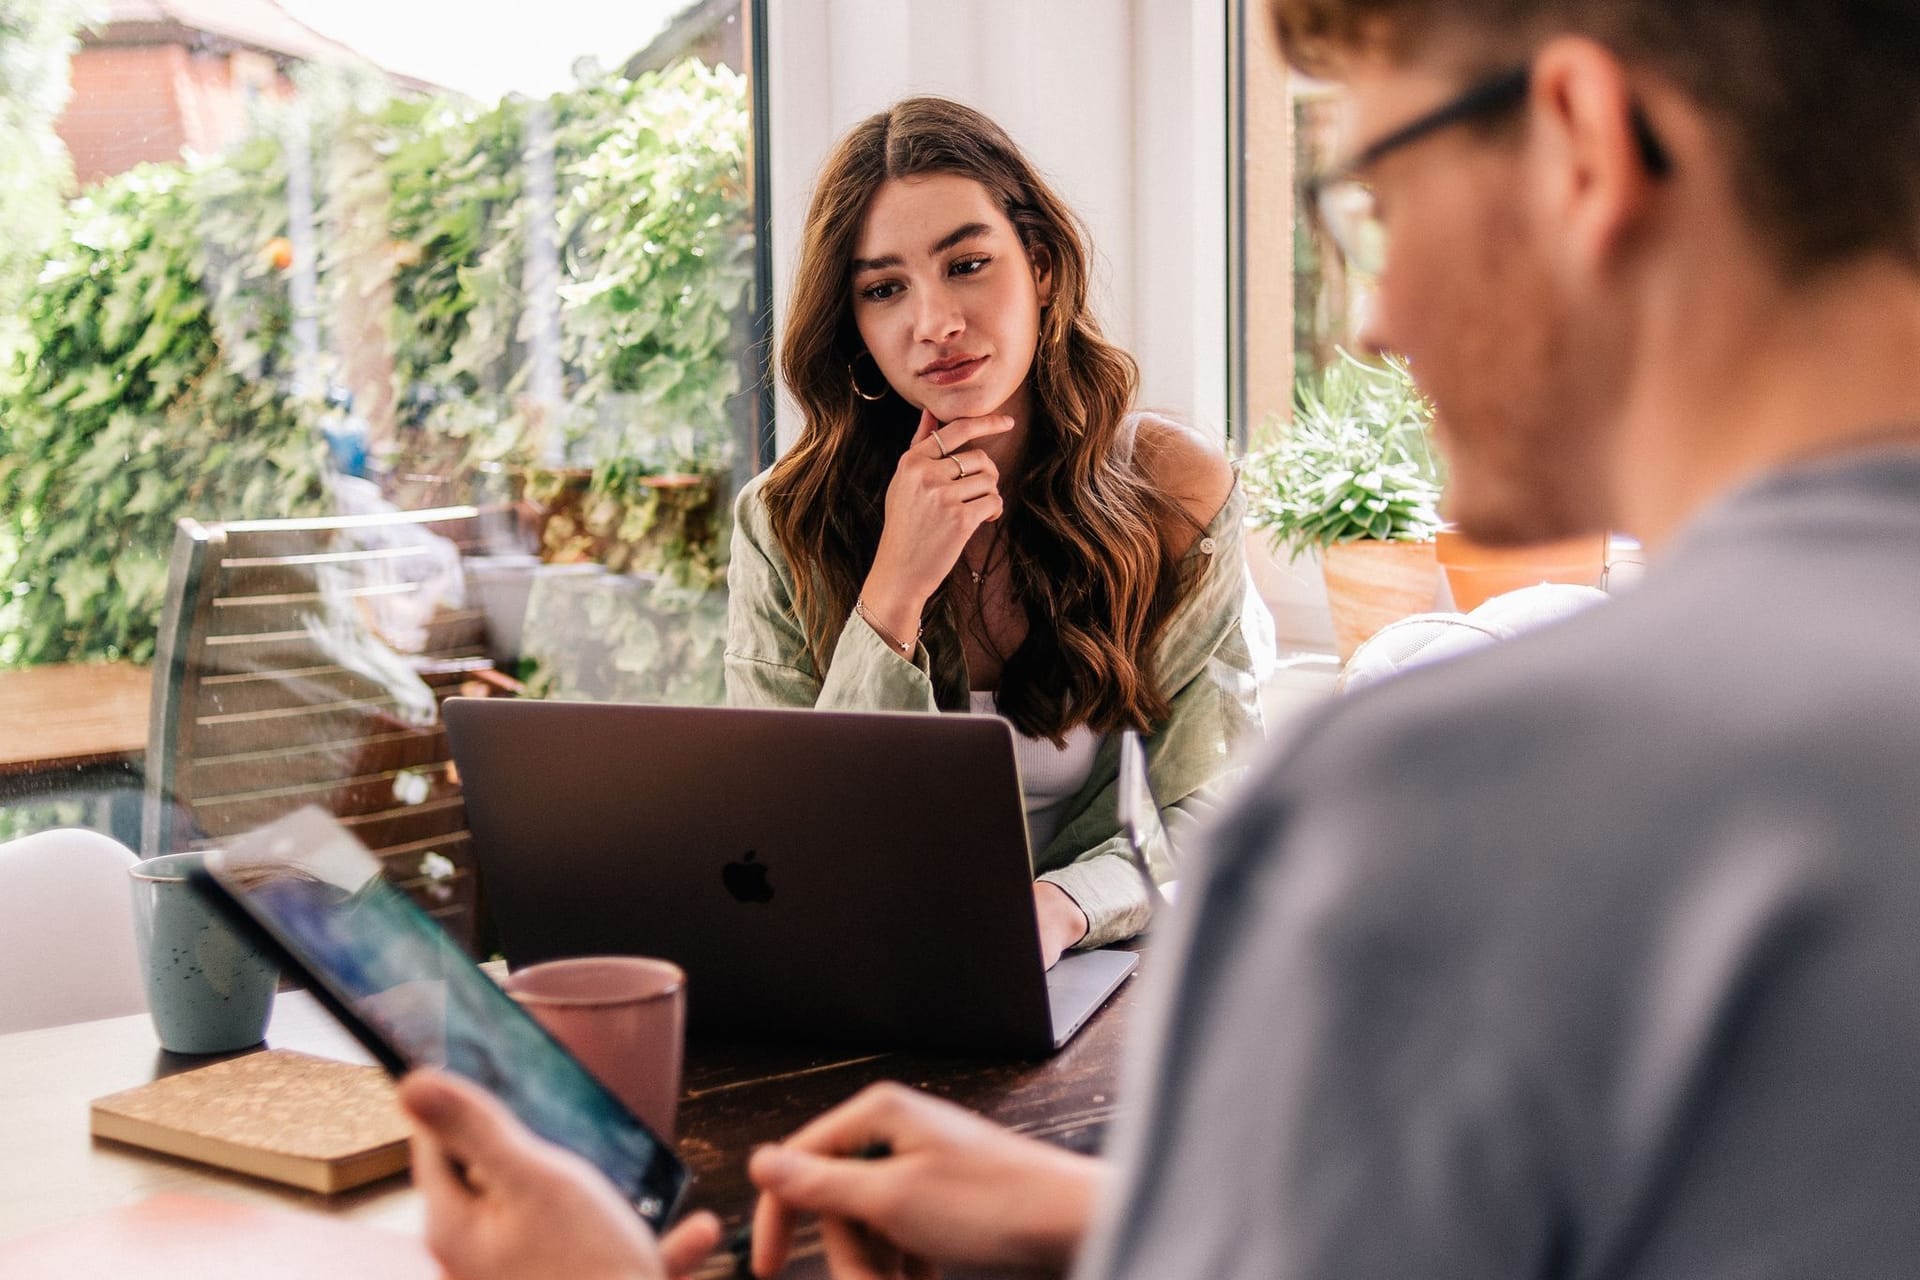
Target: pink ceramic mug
<point x="624" y="1017"/>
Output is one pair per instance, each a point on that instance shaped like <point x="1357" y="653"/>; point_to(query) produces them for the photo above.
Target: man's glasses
<point x="1341" y="202"/>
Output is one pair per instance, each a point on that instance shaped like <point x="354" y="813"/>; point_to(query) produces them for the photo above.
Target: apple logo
<point x="746" y="880"/>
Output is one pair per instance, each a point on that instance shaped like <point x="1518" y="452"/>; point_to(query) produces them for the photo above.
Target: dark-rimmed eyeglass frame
<point x="1320" y="192"/>
<point x="1502" y="92"/>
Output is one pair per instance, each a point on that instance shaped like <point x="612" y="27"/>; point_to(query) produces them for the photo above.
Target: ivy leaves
<point x="659" y="237"/>
<point x="655" y="237"/>
<point x="124" y="411"/>
<point x="35" y="37"/>
<point x="150" y="372"/>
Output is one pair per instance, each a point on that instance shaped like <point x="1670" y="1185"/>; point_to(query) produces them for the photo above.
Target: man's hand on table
<point x="503" y="1204"/>
<point x="525" y="1209"/>
<point x="954" y="1188"/>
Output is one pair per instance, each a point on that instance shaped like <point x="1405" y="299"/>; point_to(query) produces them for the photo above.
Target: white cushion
<point x="1433" y="637"/>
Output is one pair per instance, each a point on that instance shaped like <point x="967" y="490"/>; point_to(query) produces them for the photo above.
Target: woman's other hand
<point x="953" y="1189"/>
<point x="934" y="503"/>
<point x="1062" y="922"/>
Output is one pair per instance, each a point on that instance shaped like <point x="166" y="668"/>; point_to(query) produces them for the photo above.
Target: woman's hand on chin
<point x="942" y="490"/>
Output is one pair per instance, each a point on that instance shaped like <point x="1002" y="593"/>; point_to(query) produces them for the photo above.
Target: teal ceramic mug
<point x="209" y="990"/>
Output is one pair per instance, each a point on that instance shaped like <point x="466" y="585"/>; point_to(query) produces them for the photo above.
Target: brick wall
<point x="123" y="109"/>
<point x="131" y="105"/>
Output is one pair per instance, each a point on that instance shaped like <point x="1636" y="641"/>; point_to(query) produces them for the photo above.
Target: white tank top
<point x="1050" y="776"/>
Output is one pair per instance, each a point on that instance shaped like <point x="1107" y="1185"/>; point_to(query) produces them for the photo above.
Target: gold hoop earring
<point x="853" y="376"/>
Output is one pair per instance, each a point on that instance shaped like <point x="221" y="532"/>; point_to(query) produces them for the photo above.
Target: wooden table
<point x="77" y="732"/>
<point x="69" y="716"/>
<point x="736" y="1097"/>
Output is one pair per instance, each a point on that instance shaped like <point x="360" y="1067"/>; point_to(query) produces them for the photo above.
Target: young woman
<point x="974" y="518"/>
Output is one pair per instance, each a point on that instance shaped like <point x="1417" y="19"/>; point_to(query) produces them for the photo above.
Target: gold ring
<point x="938" y="443"/>
<point x="960" y="472"/>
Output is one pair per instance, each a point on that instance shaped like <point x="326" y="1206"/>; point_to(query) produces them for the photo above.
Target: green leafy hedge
<point x="132" y="412"/>
<point x="155" y="377"/>
<point x="35" y="39"/>
<point x="656" y="246"/>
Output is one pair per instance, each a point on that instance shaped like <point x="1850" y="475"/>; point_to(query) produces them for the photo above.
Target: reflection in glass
<point x="362" y="294"/>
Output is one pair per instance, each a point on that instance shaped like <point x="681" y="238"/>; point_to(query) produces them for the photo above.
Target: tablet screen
<point x="318" y="892"/>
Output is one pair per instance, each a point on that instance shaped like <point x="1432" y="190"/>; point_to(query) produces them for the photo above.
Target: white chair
<point x="66" y="931"/>
<point x="1433" y="637"/>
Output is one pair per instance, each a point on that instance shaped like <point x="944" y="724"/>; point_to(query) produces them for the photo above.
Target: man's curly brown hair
<point x="1819" y="100"/>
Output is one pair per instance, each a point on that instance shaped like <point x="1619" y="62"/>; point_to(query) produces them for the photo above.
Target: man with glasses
<point x="1593" y="954"/>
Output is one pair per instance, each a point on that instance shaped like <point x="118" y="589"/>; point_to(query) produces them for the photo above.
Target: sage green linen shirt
<point x="1205" y="657"/>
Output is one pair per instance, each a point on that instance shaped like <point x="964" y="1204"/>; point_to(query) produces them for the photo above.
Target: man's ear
<point x="1595" y="183"/>
<point x="1041" y="259"/>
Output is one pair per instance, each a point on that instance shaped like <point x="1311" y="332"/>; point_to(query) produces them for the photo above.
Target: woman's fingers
<point x="956" y="435"/>
<point x="926" y="428"/>
<point x="976" y="488"/>
<point x="952" y="485"/>
<point x="967" y="464"/>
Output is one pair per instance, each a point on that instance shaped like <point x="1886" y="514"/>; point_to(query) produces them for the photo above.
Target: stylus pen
<point x="740" y="1242"/>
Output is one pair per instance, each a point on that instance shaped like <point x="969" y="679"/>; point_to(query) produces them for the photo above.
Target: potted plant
<point x="1357" y="480"/>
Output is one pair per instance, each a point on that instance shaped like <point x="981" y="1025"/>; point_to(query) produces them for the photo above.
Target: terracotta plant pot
<point x="1370" y="584"/>
<point x="1476" y="572"/>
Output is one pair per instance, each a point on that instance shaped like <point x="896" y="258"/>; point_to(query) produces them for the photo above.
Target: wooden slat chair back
<point x="302" y="662"/>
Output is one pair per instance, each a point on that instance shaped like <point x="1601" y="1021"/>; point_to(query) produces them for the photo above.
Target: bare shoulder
<point x="1186" y="463"/>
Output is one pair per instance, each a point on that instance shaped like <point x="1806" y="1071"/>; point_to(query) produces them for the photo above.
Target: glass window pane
<point x="312" y="269"/>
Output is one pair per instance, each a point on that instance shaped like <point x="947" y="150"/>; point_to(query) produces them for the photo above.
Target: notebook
<point x="290" y="1117"/>
<point x="859" y="878"/>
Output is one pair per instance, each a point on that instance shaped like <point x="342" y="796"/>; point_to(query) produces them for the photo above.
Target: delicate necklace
<point x="986" y="561"/>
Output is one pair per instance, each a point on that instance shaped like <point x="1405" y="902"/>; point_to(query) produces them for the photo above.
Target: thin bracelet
<point x="906" y="650"/>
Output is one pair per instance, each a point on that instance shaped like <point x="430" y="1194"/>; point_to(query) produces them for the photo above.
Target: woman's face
<point x="946" y="297"/>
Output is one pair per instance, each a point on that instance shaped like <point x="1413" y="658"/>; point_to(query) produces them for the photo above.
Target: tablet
<point x="314" y="896"/>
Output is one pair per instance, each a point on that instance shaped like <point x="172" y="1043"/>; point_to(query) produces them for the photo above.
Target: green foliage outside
<point x="1355" y="463"/>
<point x="651" y="633"/>
<point x="656" y="258"/>
<point x="130" y="411"/>
<point x="661" y="255"/>
<point x="625" y="638"/>
<point x="36" y="37"/>
<point x="155" y="377"/>
<point x="23" y="818"/>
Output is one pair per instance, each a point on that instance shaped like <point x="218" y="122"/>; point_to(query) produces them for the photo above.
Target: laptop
<point x="856" y="878"/>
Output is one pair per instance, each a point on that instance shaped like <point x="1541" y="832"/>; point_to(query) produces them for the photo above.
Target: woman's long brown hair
<point x="1087" y="534"/>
